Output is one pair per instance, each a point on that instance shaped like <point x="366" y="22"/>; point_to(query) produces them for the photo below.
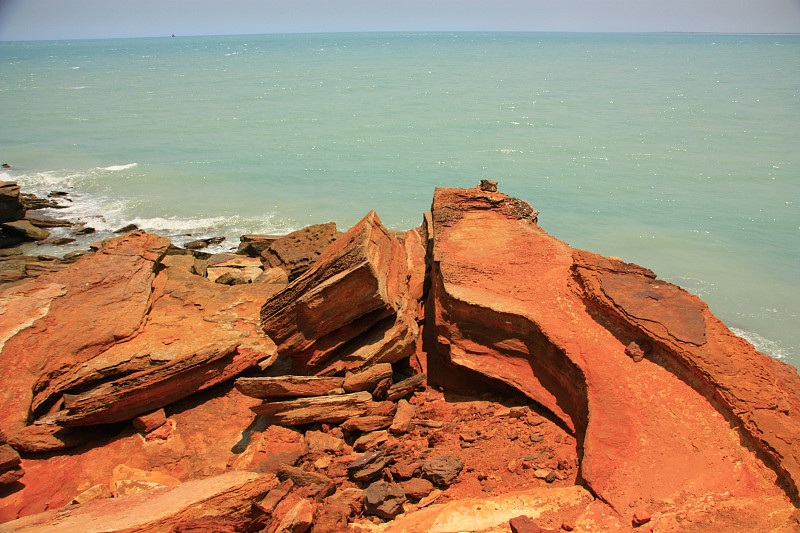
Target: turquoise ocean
<point x="677" y="152"/>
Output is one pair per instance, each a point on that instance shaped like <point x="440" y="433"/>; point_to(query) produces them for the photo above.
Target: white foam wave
<point x="44" y="182"/>
<point x="89" y="202"/>
<point x="761" y="344"/>
<point x="118" y="167"/>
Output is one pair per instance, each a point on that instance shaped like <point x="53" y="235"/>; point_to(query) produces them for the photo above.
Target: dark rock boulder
<point x="199" y="244"/>
<point x="26" y="230"/>
<point x="442" y="470"/>
<point x="11" y="207"/>
<point x="297" y="251"/>
<point x="254" y="245"/>
<point x="384" y="499"/>
<point x="42" y="221"/>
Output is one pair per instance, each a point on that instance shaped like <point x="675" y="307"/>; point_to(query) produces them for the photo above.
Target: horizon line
<point x="170" y="36"/>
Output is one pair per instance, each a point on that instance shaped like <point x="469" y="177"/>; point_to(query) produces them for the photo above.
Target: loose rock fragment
<point x="301" y="477"/>
<point x="384" y="499"/>
<point x="149" y="422"/>
<point x="524" y="524"/>
<point x="287" y="386"/>
<point x="417" y="488"/>
<point x="637" y="350"/>
<point x="369" y="466"/>
<point x="329" y="409"/>
<point x="370" y="440"/>
<point x="443" y="470"/>
<point x="317" y="441"/>
<point x="402" y="418"/>
<point x="368" y="379"/>
<point x="274" y="496"/>
<point x="405" y="387"/>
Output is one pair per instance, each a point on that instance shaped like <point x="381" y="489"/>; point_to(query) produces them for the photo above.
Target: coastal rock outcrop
<point x="118" y="334"/>
<point x="11" y="207"/>
<point x="508" y="307"/>
<point x="474" y="373"/>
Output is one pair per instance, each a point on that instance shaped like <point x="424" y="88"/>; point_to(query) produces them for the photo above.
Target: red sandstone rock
<point x="384" y="499"/>
<point x="352" y="304"/>
<point x="298" y="519"/>
<point x="508" y="308"/>
<point x="248" y="268"/>
<point x="493" y="513"/>
<point x="514" y="309"/>
<point x="368" y="378"/>
<point x="10" y="470"/>
<point x="167" y="509"/>
<point x="287" y="386"/>
<point x="759" y="392"/>
<point x="68" y="318"/>
<point x="367" y="423"/>
<point x="193" y="451"/>
<point x="150" y="421"/>
<point x="330" y="409"/>
<point x="317" y="441"/>
<point x="142" y="365"/>
<point x="417" y="488"/>
<point x="524" y="524"/>
<point x="402" y="418"/>
<point x="404" y="388"/>
<point x="300" y="477"/>
<point x="274" y="496"/>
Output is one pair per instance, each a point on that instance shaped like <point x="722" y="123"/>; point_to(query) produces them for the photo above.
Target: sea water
<point x="676" y="152"/>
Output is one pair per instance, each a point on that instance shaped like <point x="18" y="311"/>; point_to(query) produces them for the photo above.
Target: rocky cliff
<point x="472" y="374"/>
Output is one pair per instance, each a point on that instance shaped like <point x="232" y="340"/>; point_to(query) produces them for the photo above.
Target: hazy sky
<point x="71" y="19"/>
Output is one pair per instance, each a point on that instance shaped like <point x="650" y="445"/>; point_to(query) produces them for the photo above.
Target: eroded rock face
<point x="352" y="309"/>
<point x="758" y="392"/>
<point x="507" y="307"/>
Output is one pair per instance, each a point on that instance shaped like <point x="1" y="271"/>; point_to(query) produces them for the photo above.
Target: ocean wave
<point x="761" y="344"/>
<point x="118" y="167"/>
<point x="45" y="182"/>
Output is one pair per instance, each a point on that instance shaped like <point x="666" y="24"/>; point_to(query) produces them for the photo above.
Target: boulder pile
<point x="472" y="374"/>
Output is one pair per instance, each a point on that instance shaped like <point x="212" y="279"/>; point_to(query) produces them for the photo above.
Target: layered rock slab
<point x="351" y="309"/>
<point x="227" y="497"/>
<point x="754" y="390"/>
<point x="507" y="307"/>
<point x="64" y="319"/>
<point x="121" y="332"/>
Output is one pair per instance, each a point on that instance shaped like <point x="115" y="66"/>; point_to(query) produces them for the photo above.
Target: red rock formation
<point x="756" y="392"/>
<point x="507" y="307"/>
<point x="298" y="251"/>
<point x="67" y="318"/>
<point x="113" y="337"/>
<point x="637" y="394"/>
<point x="209" y="503"/>
<point x="11" y="207"/>
<point x="351" y="309"/>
